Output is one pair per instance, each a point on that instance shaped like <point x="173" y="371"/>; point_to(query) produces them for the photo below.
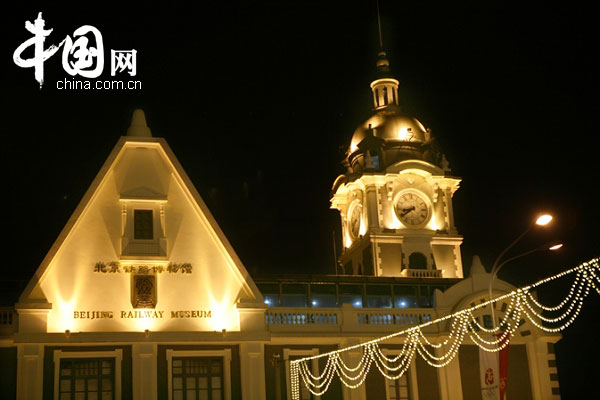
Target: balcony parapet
<point x="346" y="319"/>
<point x="422" y="273"/>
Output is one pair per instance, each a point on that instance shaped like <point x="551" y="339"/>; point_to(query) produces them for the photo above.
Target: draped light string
<point x="521" y="305"/>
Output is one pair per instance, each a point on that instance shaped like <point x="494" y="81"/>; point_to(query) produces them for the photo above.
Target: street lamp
<point x="542" y="220"/>
<point x="552" y="246"/>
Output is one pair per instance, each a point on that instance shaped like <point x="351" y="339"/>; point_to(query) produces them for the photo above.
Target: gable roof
<point x="249" y="293"/>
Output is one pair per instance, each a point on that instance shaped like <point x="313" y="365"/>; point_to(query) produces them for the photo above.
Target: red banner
<point x="503" y="365"/>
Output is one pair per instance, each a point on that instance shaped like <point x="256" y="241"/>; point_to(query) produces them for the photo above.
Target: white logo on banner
<point x="489" y="375"/>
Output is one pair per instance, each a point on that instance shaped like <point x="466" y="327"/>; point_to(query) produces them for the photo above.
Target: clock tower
<point x="395" y="199"/>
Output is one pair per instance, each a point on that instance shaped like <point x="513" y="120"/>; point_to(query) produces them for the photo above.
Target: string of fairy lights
<point x="521" y="305"/>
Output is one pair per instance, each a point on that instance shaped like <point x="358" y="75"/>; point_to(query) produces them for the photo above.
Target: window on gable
<point x="142" y="225"/>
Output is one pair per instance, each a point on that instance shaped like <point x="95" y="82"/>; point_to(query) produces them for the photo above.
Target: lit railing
<point x="395" y="317"/>
<point x="284" y="316"/>
<point x="8" y="321"/>
<point x="345" y="319"/>
<point x="422" y="273"/>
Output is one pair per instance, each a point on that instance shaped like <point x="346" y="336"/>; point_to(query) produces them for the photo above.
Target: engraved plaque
<point x="143" y="291"/>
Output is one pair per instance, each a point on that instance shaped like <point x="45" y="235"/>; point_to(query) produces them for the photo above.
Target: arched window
<point x="385" y="96"/>
<point x="417" y="261"/>
<point x="377" y="97"/>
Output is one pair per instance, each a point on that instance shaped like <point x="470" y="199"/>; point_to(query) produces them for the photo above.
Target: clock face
<point x="355" y="217"/>
<point x="411" y="209"/>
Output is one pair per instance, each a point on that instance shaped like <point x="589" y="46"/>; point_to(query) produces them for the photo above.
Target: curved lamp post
<point x="542" y="220"/>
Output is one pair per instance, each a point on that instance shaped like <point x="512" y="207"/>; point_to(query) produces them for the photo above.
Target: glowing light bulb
<point x="543" y="220"/>
<point x="403" y="134"/>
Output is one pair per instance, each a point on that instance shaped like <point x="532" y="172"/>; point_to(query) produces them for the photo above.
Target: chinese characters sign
<point x="82" y="55"/>
<point x="116" y="267"/>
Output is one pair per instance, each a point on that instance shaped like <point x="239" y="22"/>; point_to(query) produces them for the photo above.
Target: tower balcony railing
<point x="345" y="319"/>
<point x="422" y="273"/>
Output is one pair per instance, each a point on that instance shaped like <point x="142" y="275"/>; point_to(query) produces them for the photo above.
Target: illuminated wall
<point x="86" y="298"/>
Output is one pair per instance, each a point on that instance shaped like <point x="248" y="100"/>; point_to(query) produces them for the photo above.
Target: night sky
<point x="259" y="101"/>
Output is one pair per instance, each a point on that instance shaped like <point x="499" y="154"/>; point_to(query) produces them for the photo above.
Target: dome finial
<point x="138" y="126"/>
<point x="383" y="64"/>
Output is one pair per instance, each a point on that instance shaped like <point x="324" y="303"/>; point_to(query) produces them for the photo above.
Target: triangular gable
<point x="198" y="276"/>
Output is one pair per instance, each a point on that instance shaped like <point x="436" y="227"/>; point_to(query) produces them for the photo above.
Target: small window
<point x="405" y="297"/>
<point x="197" y="378"/>
<point x="142" y="225"/>
<point x="425" y="297"/>
<point x="375" y="161"/>
<point x="294" y="295"/>
<point x="379" y="296"/>
<point x="270" y="292"/>
<point x="323" y="295"/>
<point x="417" y="261"/>
<point x="351" y="294"/>
<point x="487" y="321"/>
<point x="85" y="378"/>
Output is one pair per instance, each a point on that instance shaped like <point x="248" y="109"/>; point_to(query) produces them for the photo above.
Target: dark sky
<point x="259" y="101"/>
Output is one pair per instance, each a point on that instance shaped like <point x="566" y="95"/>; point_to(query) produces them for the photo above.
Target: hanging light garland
<point x="521" y="305"/>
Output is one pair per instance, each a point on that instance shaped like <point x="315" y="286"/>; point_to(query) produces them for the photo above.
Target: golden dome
<point x="389" y="136"/>
<point x="390" y="125"/>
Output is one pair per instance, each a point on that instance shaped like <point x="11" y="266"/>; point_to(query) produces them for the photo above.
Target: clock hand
<point x="407" y="210"/>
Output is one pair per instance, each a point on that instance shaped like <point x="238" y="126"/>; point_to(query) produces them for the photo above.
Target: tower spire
<point x="383" y="65"/>
<point x="385" y="87"/>
<point x="379" y="25"/>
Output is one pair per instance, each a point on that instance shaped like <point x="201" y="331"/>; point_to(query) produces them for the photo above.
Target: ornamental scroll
<point x="116" y="267"/>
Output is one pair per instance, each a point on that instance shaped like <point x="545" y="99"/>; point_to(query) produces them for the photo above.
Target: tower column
<point x="449" y="209"/>
<point x="372" y="207"/>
